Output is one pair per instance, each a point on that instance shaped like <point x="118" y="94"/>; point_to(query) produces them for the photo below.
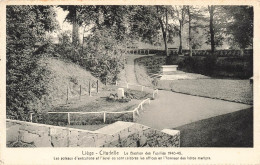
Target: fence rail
<point x="138" y="87"/>
<point x="135" y="111"/>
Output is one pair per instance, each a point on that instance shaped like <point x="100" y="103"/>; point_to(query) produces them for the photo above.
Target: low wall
<point x="137" y="135"/>
<point x="119" y="134"/>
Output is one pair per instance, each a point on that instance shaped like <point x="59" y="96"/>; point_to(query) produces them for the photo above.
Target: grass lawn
<point x="100" y="103"/>
<point x="229" y="130"/>
<point x="232" y="90"/>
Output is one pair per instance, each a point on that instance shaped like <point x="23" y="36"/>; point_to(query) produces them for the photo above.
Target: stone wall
<point x="119" y="134"/>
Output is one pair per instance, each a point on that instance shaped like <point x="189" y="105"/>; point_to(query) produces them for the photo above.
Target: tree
<point x="217" y="26"/>
<point x="240" y="26"/>
<point x="146" y="21"/>
<point x="181" y="13"/>
<point x="194" y="25"/>
<point x="26" y="28"/>
<point x="73" y="18"/>
<point x="211" y="27"/>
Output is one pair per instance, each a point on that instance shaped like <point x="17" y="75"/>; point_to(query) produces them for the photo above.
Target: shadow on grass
<point x="229" y="130"/>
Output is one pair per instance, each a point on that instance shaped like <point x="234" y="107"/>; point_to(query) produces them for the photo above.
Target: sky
<point x="61" y="15"/>
<point x="64" y="25"/>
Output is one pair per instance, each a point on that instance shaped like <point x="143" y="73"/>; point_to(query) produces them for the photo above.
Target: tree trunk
<point x="75" y="28"/>
<point x="180" y="37"/>
<point x="211" y="26"/>
<point x="190" y="47"/>
<point x="164" y="32"/>
<point x="166" y="29"/>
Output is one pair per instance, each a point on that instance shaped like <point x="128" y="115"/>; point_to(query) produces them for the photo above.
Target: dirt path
<point x="171" y="109"/>
<point x="130" y="68"/>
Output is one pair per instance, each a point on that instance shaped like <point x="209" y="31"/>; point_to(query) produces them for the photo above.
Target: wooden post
<point x="116" y="83"/>
<point x="89" y="88"/>
<point x="126" y="85"/>
<point x="80" y="92"/>
<point x="104" y="119"/>
<point x="133" y="115"/>
<point x="69" y="118"/>
<point x="97" y="86"/>
<point x="67" y="99"/>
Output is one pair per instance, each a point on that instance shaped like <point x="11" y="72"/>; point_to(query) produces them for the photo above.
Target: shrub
<point x="99" y="55"/>
<point x="25" y="88"/>
<point x="209" y="64"/>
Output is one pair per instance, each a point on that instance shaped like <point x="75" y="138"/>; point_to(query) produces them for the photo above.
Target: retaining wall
<point x="119" y="134"/>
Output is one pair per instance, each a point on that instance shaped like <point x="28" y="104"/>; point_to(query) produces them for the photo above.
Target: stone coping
<point x="169" y="66"/>
<point x="52" y="126"/>
<point x="116" y="127"/>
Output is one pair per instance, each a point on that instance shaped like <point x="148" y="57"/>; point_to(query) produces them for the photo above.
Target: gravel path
<point x="171" y="109"/>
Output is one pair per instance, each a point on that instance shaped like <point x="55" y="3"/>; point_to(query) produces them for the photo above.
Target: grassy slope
<point x="65" y="74"/>
<point x="229" y="130"/>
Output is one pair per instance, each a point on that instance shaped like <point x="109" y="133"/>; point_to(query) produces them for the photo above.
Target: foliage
<point x="152" y="64"/>
<point x="100" y="54"/>
<point x="26" y="27"/>
<point x="217" y="26"/>
<point x="241" y="26"/>
<point x="232" y="67"/>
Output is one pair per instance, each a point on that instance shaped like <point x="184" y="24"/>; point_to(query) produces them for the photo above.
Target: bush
<point x="99" y="55"/>
<point x="25" y="88"/>
<point x="209" y="64"/>
<point x="171" y="60"/>
<point x="234" y="67"/>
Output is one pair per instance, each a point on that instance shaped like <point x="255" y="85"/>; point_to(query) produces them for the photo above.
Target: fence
<point x="138" y="51"/>
<point x="219" y="53"/>
<point x="195" y="52"/>
<point x="136" y="87"/>
<point x="67" y="117"/>
<point x="80" y="91"/>
<point x="103" y="113"/>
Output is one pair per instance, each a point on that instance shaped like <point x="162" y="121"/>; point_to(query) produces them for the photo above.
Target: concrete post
<point x="31" y="117"/>
<point x="69" y="118"/>
<point x="104" y="117"/>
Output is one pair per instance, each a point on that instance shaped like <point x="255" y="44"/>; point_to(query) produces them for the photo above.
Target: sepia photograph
<point x="129" y="76"/>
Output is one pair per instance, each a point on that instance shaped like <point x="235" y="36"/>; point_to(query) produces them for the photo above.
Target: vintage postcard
<point x="123" y="82"/>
